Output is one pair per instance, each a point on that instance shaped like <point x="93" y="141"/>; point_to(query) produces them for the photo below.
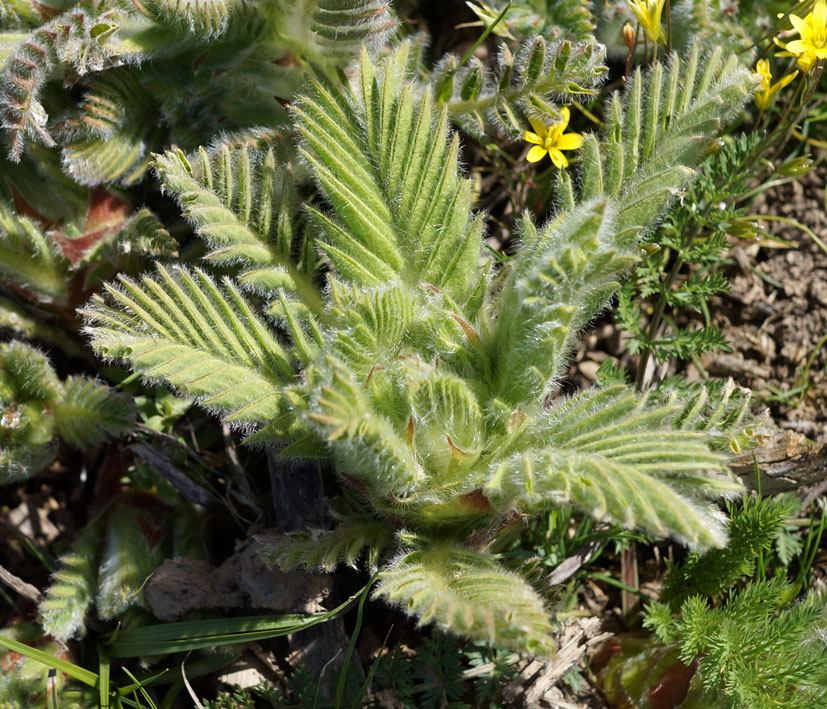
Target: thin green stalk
<point x="811" y="547"/>
<point x="784" y="128"/>
<point x="358" y="701"/>
<point x="484" y="35"/>
<point x="613" y="582"/>
<point x="140" y="688"/>
<point x="476" y="45"/>
<point x="103" y="673"/>
<point x="657" y="316"/>
<point x="342" y="685"/>
<point x="792" y="222"/>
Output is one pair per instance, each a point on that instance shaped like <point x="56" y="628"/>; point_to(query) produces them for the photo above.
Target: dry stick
<point x="668" y="27"/>
<point x="19" y="585"/>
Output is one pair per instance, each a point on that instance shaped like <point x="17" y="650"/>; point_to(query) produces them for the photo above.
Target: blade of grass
<point x="146" y="681"/>
<point x="188" y="686"/>
<point x="484" y="35"/>
<point x="351" y="646"/>
<point x="140" y="688"/>
<point x="317" y="697"/>
<point x="103" y="674"/>
<point x="166" y="638"/>
<point x="358" y="702"/>
<point x="474" y="47"/>
<point x="74" y="671"/>
<point x="208" y="665"/>
<point x="811" y="546"/>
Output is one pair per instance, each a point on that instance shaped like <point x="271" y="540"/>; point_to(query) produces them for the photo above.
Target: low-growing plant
<point x="420" y="370"/>
<point x="726" y="632"/>
<point x="324" y="285"/>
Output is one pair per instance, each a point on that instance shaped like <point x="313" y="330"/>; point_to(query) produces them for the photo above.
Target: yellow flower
<point x="552" y="140"/>
<point x="765" y="93"/>
<point x="648" y="14"/>
<point x="813" y="43"/>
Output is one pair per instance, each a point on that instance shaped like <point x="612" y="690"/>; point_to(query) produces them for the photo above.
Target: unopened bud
<point x="741" y="229"/>
<point x="629" y="35"/>
<point x="796" y="167"/>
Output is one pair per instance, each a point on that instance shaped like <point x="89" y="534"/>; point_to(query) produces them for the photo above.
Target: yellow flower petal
<point x="539" y="127"/>
<point x="536" y="154"/>
<point x="569" y="141"/>
<point x="763" y="67"/>
<point x="819" y="17"/>
<point x="566" y="117"/>
<point x="801" y="27"/>
<point x="532" y="138"/>
<point x="798" y="46"/>
<point x="557" y="158"/>
<point x="806" y="61"/>
<point x="821" y="52"/>
<point x="786" y="80"/>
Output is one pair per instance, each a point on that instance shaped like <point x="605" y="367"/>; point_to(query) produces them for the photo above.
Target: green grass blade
<point x="141" y="689"/>
<point x="103" y="673"/>
<point x="375" y="666"/>
<point x="74" y="671"/>
<point x="167" y="638"/>
<point x="354" y="636"/>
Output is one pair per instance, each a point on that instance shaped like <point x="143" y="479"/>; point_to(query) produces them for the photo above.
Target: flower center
<point x="553" y="136"/>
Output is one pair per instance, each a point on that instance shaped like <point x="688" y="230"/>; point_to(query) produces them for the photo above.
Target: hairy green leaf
<point x="326" y="549"/>
<point x="126" y="563"/>
<point x="563" y="276"/>
<point x="30" y="260"/>
<point x="383" y="159"/>
<point x="619" y="458"/>
<point x="181" y="328"/>
<point x="63" y="608"/>
<point x="660" y="131"/>
<point x="468" y="593"/>
<point x="89" y="412"/>
<point x="73" y="39"/>
<point x="108" y="141"/>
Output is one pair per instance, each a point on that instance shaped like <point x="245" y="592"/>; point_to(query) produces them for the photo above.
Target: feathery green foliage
<point x="525" y="83"/>
<point x="203" y="339"/>
<point x="63" y="609"/>
<point x="661" y="130"/>
<point x="326" y="549"/>
<point x="37" y="408"/>
<point x="73" y="39"/>
<point x="684" y="272"/>
<point x="422" y="376"/>
<point x="130" y="554"/>
<point x="469" y="593"/>
<point x="753" y="528"/>
<point x="241" y="204"/>
<point x="108" y="140"/>
<point x="30" y="260"/>
<point x="732" y="640"/>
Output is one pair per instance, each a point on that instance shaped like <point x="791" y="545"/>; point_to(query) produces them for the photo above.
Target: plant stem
<point x="657" y="316"/>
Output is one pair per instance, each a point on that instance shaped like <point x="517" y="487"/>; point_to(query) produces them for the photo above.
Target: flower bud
<point x="741" y="229"/>
<point x="629" y="35"/>
<point x="796" y="167"/>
